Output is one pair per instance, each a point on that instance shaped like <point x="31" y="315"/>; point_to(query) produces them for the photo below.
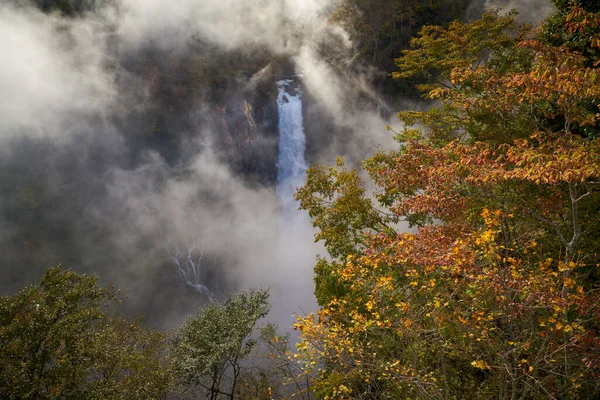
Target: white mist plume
<point x="278" y="24"/>
<point x="336" y="91"/>
<point x="52" y="70"/>
<point x="235" y="226"/>
<point x="59" y="73"/>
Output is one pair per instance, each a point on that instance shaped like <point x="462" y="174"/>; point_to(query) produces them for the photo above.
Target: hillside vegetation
<point x="466" y="267"/>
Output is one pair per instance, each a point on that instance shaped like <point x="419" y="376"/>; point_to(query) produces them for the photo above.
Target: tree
<point x="494" y="292"/>
<point x="59" y="340"/>
<point x="210" y="348"/>
<point x="132" y="363"/>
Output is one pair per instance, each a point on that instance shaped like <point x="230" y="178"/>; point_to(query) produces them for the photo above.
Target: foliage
<point x="124" y="346"/>
<point x="381" y="28"/>
<point x="58" y="340"/>
<point x="337" y="202"/>
<point x="494" y="293"/>
<point x="210" y="348"/>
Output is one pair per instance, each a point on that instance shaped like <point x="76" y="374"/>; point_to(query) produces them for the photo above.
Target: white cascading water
<point x="296" y="246"/>
<point x="291" y="167"/>
<point x="189" y="268"/>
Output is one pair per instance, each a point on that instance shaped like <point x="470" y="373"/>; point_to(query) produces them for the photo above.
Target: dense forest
<point x="462" y="261"/>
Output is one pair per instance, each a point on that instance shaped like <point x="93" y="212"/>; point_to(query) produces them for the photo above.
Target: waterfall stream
<point x="291" y="167"/>
<point x="296" y="247"/>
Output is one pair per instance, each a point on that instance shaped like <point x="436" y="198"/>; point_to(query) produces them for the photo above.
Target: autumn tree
<point x="61" y="339"/>
<point x="493" y="292"/>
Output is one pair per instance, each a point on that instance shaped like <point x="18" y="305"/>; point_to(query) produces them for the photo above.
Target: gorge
<point x="153" y="124"/>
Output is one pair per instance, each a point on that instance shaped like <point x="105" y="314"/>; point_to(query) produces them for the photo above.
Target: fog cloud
<point x="279" y="25"/>
<point x="52" y="69"/>
<point x="74" y="112"/>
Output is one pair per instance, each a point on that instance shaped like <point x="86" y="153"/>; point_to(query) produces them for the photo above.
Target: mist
<point x="110" y="160"/>
<point x="139" y="126"/>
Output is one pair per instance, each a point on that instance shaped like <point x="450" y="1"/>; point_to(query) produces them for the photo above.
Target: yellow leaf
<point x="559" y="326"/>
<point x="480" y="364"/>
<point x="569" y="282"/>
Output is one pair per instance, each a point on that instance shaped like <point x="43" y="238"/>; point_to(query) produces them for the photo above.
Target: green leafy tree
<point x="59" y="339"/>
<point x="209" y="350"/>
<point x="131" y="363"/>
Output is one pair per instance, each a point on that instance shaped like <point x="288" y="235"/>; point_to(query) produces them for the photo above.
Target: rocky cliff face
<point x="225" y="101"/>
<point x="247" y="134"/>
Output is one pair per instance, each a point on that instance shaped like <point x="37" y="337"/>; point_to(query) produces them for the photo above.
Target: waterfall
<point x="291" y="167"/>
<point x="296" y="245"/>
<point x="189" y="268"/>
